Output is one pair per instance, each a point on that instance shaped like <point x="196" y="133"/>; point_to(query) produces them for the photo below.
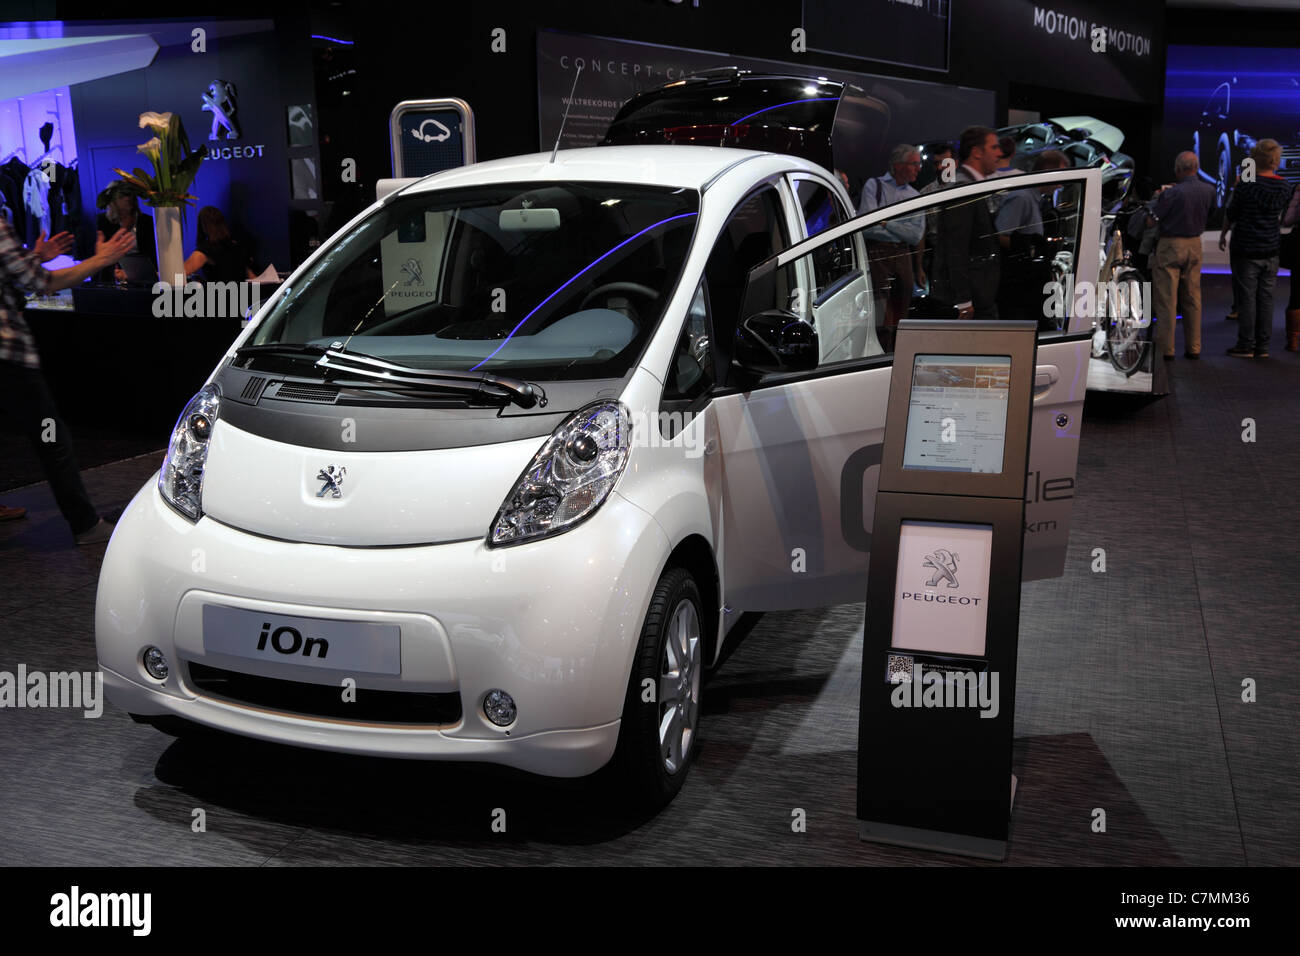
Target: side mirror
<point x="776" y="341"/>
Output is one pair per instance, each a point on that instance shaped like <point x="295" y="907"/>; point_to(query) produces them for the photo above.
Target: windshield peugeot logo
<point x="414" y="272"/>
<point x="944" y="565"/>
<point x="333" y="478"/>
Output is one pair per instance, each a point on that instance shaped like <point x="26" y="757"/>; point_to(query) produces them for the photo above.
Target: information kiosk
<point x="943" y="589"/>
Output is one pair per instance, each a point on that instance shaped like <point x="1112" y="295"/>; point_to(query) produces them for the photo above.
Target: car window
<point x="1011" y="253"/>
<point x="551" y="280"/>
<point x="818" y="205"/>
<point x="831" y="288"/>
<point x="755" y="231"/>
<point x="691" y="373"/>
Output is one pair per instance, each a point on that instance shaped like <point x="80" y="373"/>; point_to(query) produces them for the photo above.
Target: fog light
<point x="499" y="707"/>
<point x="155" y="662"/>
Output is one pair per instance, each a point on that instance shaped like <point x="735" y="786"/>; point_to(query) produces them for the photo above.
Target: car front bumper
<point x="555" y="623"/>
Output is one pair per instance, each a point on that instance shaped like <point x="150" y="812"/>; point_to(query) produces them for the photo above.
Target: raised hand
<point x="110" y="250"/>
<point x="47" y="249"/>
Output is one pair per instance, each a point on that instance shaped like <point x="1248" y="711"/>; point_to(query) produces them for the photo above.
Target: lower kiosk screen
<point x="941" y="592"/>
<point x="957" y="416"/>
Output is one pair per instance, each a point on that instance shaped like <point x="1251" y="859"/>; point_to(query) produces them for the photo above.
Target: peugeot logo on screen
<point x="332" y="476"/>
<point x="944" y="564"/>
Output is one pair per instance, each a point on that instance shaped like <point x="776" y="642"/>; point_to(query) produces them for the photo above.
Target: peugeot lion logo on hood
<point x="333" y="478"/>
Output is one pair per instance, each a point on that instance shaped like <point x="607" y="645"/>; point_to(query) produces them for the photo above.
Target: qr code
<point x="899" y="670"/>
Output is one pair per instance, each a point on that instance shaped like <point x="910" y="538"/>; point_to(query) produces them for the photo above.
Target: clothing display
<point x="36" y="190"/>
<point x="13" y="174"/>
<point x="45" y="197"/>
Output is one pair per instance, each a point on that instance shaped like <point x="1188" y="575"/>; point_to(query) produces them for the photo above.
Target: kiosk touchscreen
<point x="962" y="395"/>
<point x="943" y="589"/>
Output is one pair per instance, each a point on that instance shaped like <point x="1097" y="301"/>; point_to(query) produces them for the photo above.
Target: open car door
<point x="800" y="443"/>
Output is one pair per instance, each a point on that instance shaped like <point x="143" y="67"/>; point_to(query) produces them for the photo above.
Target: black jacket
<point x="966" y="254"/>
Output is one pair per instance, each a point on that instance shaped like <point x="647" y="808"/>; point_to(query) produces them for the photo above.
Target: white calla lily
<point x="152" y="149"/>
<point x="157" y="121"/>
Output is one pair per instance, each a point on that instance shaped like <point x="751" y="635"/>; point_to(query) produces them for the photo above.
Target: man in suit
<point x="965" y="273"/>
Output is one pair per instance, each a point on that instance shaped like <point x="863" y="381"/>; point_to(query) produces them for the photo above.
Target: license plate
<point x="353" y="646"/>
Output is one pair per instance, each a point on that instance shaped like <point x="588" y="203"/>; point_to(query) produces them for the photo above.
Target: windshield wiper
<point x="280" y="348"/>
<point x="482" y="387"/>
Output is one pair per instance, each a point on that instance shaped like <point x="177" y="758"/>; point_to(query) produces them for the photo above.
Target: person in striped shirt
<point x="24" y="396"/>
<point x="1253" y="218"/>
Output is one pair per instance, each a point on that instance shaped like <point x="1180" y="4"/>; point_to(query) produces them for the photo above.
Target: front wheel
<point x="1126" y="336"/>
<point x="657" y="737"/>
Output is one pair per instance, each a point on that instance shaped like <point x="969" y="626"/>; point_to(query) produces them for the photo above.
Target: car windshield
<point x="545" y="281"/>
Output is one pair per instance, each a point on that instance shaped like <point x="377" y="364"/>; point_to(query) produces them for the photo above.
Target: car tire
<point x="1125" y="338"/>
<point x="1223" y="172"/>
<point x="658" y="738"/>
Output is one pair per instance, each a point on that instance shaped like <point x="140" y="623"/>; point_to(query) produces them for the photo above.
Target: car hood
<point x="356" y="498"/>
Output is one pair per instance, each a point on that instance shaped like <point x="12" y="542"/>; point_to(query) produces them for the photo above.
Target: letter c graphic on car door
<point x="852" y="518"/>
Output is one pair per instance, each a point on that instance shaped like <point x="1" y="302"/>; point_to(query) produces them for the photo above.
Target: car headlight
<point x="181" y="478"/>
<point x="569" y="478"/>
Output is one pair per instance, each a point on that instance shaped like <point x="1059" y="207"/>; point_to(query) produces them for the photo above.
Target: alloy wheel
<point x="679" y="686"/>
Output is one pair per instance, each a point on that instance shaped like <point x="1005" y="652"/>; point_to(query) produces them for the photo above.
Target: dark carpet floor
<point x="1129" y="696"/>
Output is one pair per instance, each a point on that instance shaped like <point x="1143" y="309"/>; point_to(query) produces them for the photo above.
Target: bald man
<point x="1182" y="211"/>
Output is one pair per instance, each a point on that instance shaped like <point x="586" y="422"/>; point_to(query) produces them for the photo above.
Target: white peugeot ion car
<point x="492" y="476"/>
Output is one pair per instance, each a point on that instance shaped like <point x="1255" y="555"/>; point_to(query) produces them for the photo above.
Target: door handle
<point x="710" y="446"/>
<point x="1045" y="376"/>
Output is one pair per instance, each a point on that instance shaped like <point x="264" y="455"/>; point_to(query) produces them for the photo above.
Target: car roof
<point x="693" y="167"/>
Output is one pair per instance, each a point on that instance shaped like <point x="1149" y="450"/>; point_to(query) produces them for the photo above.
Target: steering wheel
<point x="636" y="287"/>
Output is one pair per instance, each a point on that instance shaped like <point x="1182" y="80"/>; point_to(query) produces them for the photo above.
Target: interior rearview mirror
<point x="528" y="220"/>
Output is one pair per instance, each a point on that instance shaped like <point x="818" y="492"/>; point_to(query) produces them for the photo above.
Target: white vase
<point x="171" y="250"/>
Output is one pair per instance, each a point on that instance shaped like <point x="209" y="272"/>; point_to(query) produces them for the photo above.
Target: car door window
<point x="818" y="205"/>
<point x="690" y="374"/>
<point x="1012" y="253"/>
<point x="755" y="231"/>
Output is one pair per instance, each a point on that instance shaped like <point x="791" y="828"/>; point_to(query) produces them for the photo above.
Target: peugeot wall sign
<point x="221" y="100"/>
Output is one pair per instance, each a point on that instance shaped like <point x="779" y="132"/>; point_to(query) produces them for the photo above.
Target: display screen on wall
<point x="1220" y="100"/>
<point x="910" y="32"/>
<point x="615" y="70"/>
